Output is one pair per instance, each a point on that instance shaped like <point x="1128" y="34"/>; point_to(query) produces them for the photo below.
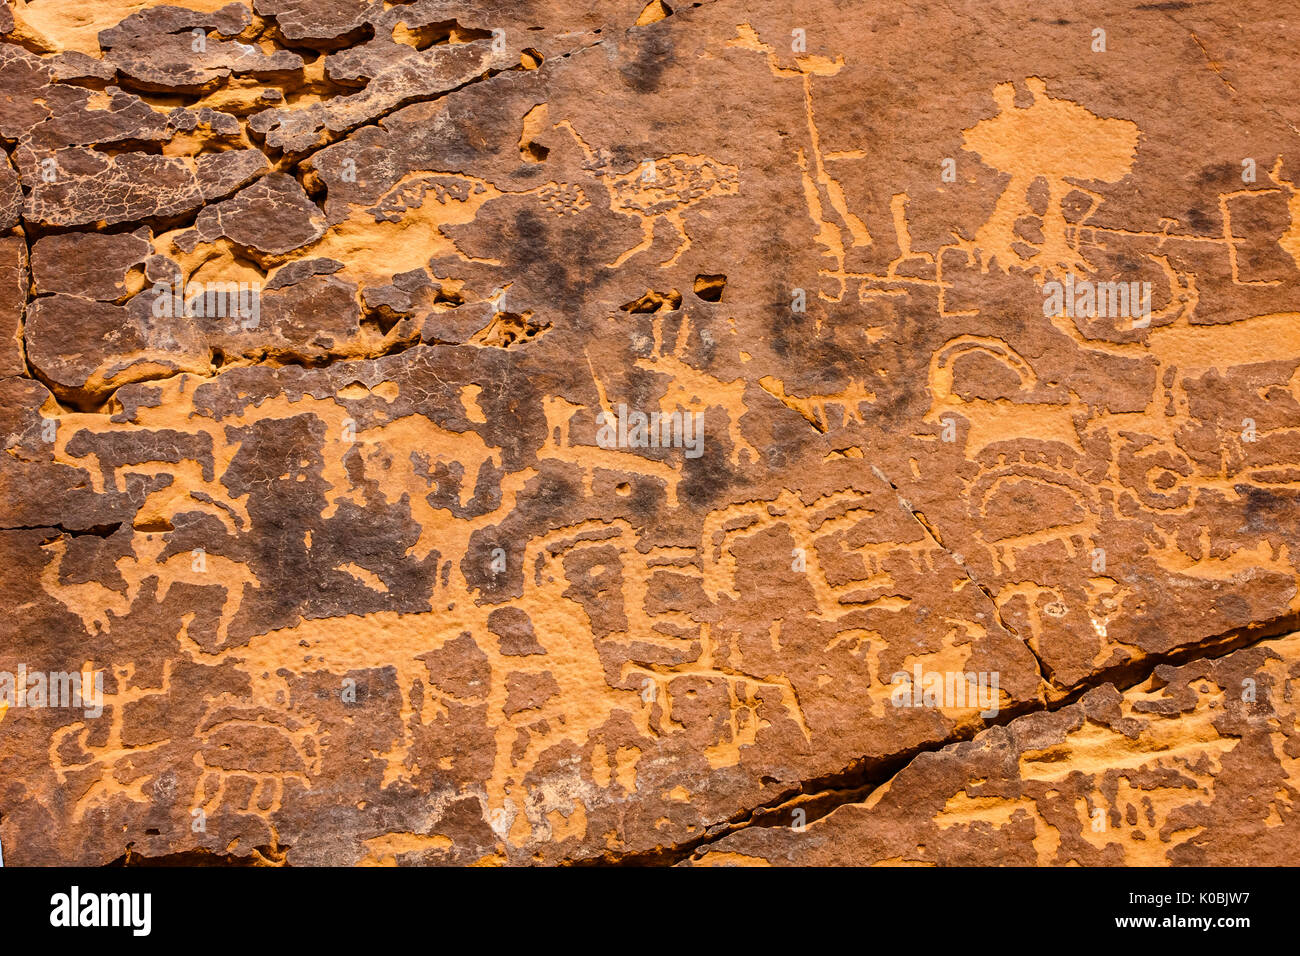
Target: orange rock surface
<point x="548" y="433"/>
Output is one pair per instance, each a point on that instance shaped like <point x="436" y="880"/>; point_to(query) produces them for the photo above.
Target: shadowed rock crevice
<point x="855" y="783"/>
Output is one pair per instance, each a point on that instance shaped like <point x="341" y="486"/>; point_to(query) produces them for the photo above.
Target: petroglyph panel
<point x="1179" y="770"/>
<point x="517" y="434"/>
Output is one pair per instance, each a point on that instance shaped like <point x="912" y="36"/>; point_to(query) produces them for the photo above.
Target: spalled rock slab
<point x="167" y="48"/>
<point x="90" y="265"/>
<point x="91" y="187"/>
<point x="1196" y="767"/>
<point x="85" y="349"/>
<point x="13" y="300"/>
<point x="74" y="65"/>
<point x="364" y="32"/>
<point x="23" y="76"/>
<point x="435" y="71"/>
<point x="321" y="24"/>
<point x="81" y="118"/>
<point x="11" y="195"/>
<point x="267" y="219"/>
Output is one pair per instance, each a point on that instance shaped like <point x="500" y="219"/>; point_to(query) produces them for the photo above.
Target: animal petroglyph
<point x="663" y="188"/>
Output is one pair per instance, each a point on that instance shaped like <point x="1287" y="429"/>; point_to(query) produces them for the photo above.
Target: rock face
<point x="1195" y="767"/>
<point x="451" y="433"/>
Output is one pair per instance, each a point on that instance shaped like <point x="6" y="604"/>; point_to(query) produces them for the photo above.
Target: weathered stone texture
<point x="318" y="319"/>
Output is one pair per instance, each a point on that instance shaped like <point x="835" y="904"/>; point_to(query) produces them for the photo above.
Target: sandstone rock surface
<point x="330" y="336"/>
